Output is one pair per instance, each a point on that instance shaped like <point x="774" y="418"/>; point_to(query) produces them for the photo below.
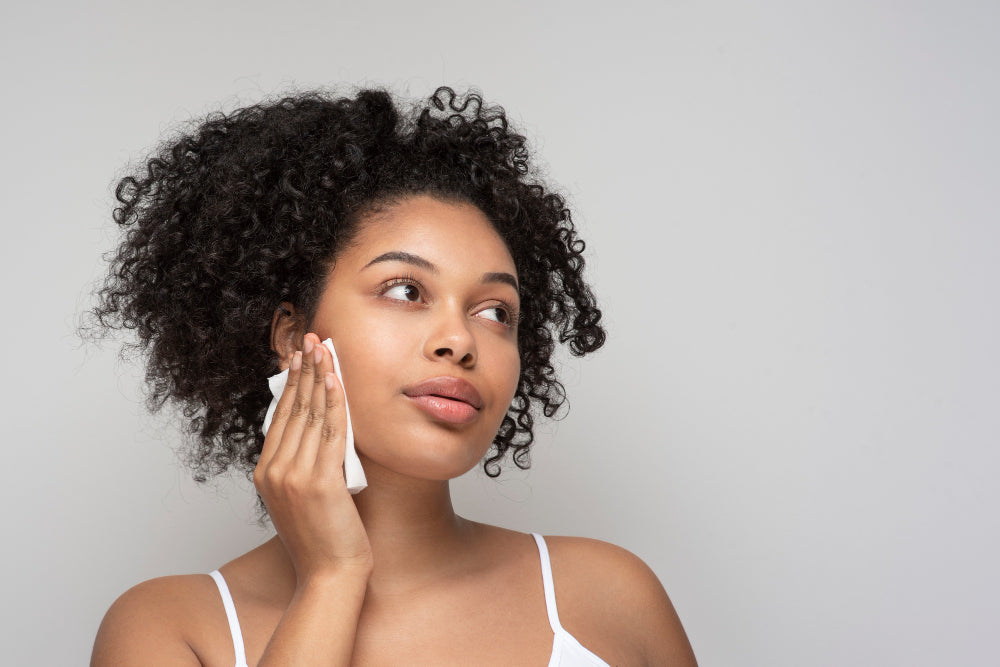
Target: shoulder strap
<point x="234" y="622"/>
<point x="550" y="590"/>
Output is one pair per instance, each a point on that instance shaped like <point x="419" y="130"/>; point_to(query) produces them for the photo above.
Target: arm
<point x="145" y="626"/>
<point x="320" y="623"/>
<point x="300" y="476"/>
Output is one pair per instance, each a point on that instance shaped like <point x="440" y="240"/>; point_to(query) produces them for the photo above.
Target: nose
<point x="451" y="339"/>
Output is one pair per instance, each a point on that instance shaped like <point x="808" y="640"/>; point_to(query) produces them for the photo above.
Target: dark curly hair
<point x="249" y="209"/>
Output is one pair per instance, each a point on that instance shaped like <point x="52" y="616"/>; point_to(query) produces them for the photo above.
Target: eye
<point x="403" y="292"/>
<point x="499" y="313"/>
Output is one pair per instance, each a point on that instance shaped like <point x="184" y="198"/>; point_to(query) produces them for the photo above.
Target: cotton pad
<point x="354" y="475"/>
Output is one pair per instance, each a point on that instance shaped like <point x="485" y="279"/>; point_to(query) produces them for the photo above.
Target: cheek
<point x="379" y="355"/>
<point x="371" y="357"/>
<point x="372" y="364"/>
<point x="513" y="370"/>
<point x="504" y="369"/>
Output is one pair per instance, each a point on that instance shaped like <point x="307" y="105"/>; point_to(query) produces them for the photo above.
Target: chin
<point x="435" y="458"/>
<point x="441" y="471"/>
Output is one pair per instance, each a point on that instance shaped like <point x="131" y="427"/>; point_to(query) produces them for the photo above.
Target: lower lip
<point x="445" y="409"/>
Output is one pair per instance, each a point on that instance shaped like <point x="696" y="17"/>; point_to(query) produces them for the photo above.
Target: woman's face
<point x="422" y="310"/>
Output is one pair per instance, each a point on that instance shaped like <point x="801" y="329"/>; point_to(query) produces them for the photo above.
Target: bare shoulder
<point x="613" y="596"/>
<point x="157" y="622"/>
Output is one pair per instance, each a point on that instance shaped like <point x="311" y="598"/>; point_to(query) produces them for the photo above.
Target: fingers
<point x="315" y="417"/>
<point x="330" y="456"/>
<point x="282" y="410"/>
<point x="310" y="420"/>
<point x="302" y="410"/>
<point x="300" y="473"/>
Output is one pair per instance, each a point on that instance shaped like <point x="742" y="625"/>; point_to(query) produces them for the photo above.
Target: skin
<point x="393" y="575"/>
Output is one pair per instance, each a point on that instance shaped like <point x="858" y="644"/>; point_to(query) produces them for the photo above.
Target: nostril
<point x="467" y="358"/>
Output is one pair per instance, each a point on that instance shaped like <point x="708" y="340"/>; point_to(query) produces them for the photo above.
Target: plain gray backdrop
<point x="791" y="215"/>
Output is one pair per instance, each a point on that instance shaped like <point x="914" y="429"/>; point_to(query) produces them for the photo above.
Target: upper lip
<point x="446" y="387"/>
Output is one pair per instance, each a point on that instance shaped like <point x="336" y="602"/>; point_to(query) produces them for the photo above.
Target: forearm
<point x="320" y="623"/>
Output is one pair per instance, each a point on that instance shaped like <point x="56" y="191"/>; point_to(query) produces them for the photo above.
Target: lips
<point x="446" y="387"/>
<point x="446" y="398"/>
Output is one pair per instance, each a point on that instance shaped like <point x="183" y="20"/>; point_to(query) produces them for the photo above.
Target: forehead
<point x="455" y="236"/>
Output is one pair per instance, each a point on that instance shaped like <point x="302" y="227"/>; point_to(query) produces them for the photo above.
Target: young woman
<point x="443" y="272"/>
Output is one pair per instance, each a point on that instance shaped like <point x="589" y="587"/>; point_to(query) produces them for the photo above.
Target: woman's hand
<point x="300" y="473"/>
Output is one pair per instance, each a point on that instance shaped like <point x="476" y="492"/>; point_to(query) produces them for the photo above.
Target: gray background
<point x="792" y="221"/>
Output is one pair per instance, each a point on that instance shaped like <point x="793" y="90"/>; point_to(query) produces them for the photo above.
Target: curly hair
<point x="249" y="209"/>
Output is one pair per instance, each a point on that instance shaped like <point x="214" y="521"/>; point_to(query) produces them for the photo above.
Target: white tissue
<point x="354" y="475"/>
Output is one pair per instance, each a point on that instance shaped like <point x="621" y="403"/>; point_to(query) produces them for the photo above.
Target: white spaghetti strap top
<point x="566" y="650"/>
<point x="234" y="623"/>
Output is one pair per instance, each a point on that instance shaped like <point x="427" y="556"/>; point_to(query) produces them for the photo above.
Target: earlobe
<point x="286" y="333"/>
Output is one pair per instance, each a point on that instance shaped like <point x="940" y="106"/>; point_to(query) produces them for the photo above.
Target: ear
<point x="287" y="332"/>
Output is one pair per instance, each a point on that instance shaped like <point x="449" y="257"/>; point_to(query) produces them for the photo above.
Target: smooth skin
<point x="393" y="575"/>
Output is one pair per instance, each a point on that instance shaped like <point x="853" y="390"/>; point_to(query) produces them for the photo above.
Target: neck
<point x="415" y="535"/>
<point x="412" y="527"/>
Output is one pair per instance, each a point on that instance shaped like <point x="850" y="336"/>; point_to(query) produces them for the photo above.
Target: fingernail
<point x="308" y="347"/>
<point x="296" y="361"/>
<point x="329" y="380"/>
<point x="319" y="353"/>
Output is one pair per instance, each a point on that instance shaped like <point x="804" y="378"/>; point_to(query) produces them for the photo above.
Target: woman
<point x="442" y="272"/>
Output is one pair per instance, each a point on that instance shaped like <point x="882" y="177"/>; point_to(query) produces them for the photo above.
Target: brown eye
<point x="498" y="314"/>
<point x="403" y="292"/>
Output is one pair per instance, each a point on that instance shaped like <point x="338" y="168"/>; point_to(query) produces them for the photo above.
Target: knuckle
<point x="297" y="409"/>
<point x="328" y="432"/>
<point x="295" y="486"/>
<point x="335" y="395"/>
<point x="273" y="475"/>
<point x="281" y="413"/>
<point x="313" y="418"/>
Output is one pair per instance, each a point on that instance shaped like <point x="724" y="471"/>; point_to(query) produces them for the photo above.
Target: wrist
<point x="338" y="575"/>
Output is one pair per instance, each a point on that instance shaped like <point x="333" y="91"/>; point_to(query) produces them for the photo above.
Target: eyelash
<point x="408" y="279"/>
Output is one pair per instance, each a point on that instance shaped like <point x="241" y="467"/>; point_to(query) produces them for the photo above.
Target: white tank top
<point x="566" y="650"/>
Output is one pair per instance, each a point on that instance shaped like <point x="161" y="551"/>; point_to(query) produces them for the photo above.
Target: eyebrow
<point x="417" y="260"/>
